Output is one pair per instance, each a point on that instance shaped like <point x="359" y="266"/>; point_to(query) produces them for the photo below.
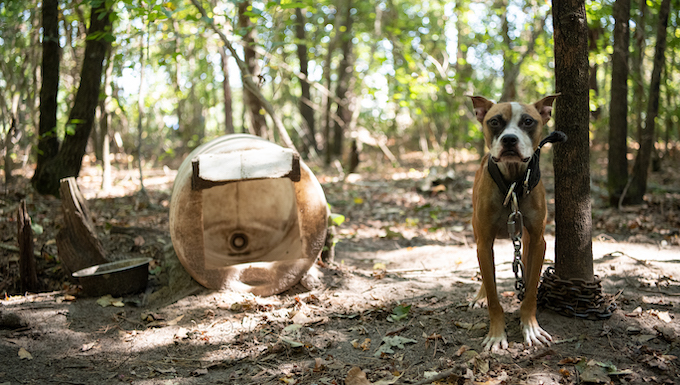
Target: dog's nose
<point x="509" y="140"/>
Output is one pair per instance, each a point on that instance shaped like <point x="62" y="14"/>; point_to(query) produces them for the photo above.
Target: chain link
<point x="515" y="228"/>
<point x="575" y="297"/>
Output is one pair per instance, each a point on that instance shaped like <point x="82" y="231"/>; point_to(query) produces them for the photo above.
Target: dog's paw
<point x="534" y="335"/>
<point x="495" y="343"/>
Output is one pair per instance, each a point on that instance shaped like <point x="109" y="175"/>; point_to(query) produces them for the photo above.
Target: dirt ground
<point x="392" y="307"/>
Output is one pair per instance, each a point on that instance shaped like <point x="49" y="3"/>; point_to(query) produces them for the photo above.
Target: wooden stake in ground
<point x="77" y="242"/>
<point x="27" y="269"/>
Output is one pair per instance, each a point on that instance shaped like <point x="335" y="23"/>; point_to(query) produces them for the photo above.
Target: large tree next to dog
<point x="573" y="221"/>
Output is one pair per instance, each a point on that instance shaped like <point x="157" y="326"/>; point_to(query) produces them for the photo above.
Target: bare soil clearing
<point x="394" y="303"/>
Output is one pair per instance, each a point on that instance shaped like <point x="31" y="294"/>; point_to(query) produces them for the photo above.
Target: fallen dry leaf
<point x="462" y="350"/>
<point x="493" y="381"/>
<point x="87" y="347"/>
<point x="139" y="241"/>
<point x="24" y="354"/>
<point x="366" y="344"/>
<point x="569" y="361"/>
<point x="108" y="300"/>
<point x="175" y="321"/>
<point x="199" y="372"/>
<point x="356" y="376"/>
<point x="663" y="315"/>
<point x="471" y="326"/>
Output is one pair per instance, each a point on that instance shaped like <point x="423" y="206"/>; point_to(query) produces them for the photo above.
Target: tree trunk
<point x="509" y="82"/>
<point x="617" y="166"/>
<point x="345" y="73"/>
<point x="511" y="70"/>
<point x="226" y="92"/>
<point x="593" y="34"/>
<point x="27" y="265"/>
<point x="69" y="158"/>
<point x="140" y="111"/>
<point x="306" y="109"/>
<point x="573" y="221"/>
<point x="636" y="68"/>
<point x="77" y="242"/>
<point x="638" y="185"/>
<point x="328" y="148"/>
<point x="48" y="142"/>
<point x="258" y="123"/>
<point x="104" y="124"/>
<point x="669" y="124"/>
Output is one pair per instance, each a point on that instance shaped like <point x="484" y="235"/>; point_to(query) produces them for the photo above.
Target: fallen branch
<point x="15" y="249"/>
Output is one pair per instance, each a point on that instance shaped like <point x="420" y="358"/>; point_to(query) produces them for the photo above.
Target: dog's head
<point x="512" y="131"/>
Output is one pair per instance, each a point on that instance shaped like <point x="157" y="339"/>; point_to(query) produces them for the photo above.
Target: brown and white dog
<point x="512" y="132"/>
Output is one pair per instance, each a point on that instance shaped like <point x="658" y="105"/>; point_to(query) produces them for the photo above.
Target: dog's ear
<point x="482" y="106"/>
<point x="544" y="107"/>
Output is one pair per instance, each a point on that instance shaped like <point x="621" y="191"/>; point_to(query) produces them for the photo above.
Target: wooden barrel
<point x="247" y="215"/>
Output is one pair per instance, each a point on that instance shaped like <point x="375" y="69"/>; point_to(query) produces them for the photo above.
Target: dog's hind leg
<point x="480" y="299"/>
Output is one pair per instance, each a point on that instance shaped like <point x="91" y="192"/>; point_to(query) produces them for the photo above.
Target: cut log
<point x="27" y="265"/>
<point x="77" y="242"/>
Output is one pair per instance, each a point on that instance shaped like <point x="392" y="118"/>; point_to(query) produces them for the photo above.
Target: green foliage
<point x="414" y="63"/>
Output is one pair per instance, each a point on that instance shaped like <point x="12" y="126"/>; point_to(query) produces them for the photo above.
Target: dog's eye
<point x="493" y="123"/>
<point x="528" y="122"/>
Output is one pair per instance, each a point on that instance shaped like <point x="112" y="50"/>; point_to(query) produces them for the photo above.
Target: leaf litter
<point x="425" y="238"/>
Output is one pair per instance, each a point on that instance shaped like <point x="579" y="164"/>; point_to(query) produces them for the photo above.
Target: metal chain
<point x="515" y="227"/>
<point x="575" y="297"/>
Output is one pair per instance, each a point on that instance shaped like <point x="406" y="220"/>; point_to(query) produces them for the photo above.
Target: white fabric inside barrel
<point x="244" y="165"/>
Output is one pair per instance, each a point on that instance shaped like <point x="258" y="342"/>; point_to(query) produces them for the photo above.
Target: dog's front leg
<point x="497" y="338"/>
<point x="534" y="253"/>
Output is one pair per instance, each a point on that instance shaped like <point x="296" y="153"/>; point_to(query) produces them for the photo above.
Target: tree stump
<point x="77" y="242"/>
<point x="27" y="265"/>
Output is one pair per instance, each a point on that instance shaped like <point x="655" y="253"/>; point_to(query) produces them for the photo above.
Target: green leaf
<point x="37" y="229"/>
<point x="336" y="219"/>
<point x="293" y="344"/>
<point x="399" y="313"/>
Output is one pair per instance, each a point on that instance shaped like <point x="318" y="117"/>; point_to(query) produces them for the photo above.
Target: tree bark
<point x="306" y="109"/>
<point x="140" y="110"/>
<point x="638" y="186"/>
<point x="573" y="221"/>
<point x="636" y="72"/>
<point x="104" y="124"/>
<point x="226" y="92"/>
<point x="48" y="142"/>
<point x="509" y="82"/>
<point x="593" y="34"/>
<point x="345" y="73"/>
<point x="617" y="166"/>
<point x="328" y="148"/>
<point x="77" y="242"/>
<point x="258" y="124"/>
<point x="68" y="160"/>
<point x="27" y="266"/>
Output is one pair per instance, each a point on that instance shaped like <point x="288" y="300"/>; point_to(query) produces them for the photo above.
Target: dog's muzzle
<point x="509" y="143"/>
